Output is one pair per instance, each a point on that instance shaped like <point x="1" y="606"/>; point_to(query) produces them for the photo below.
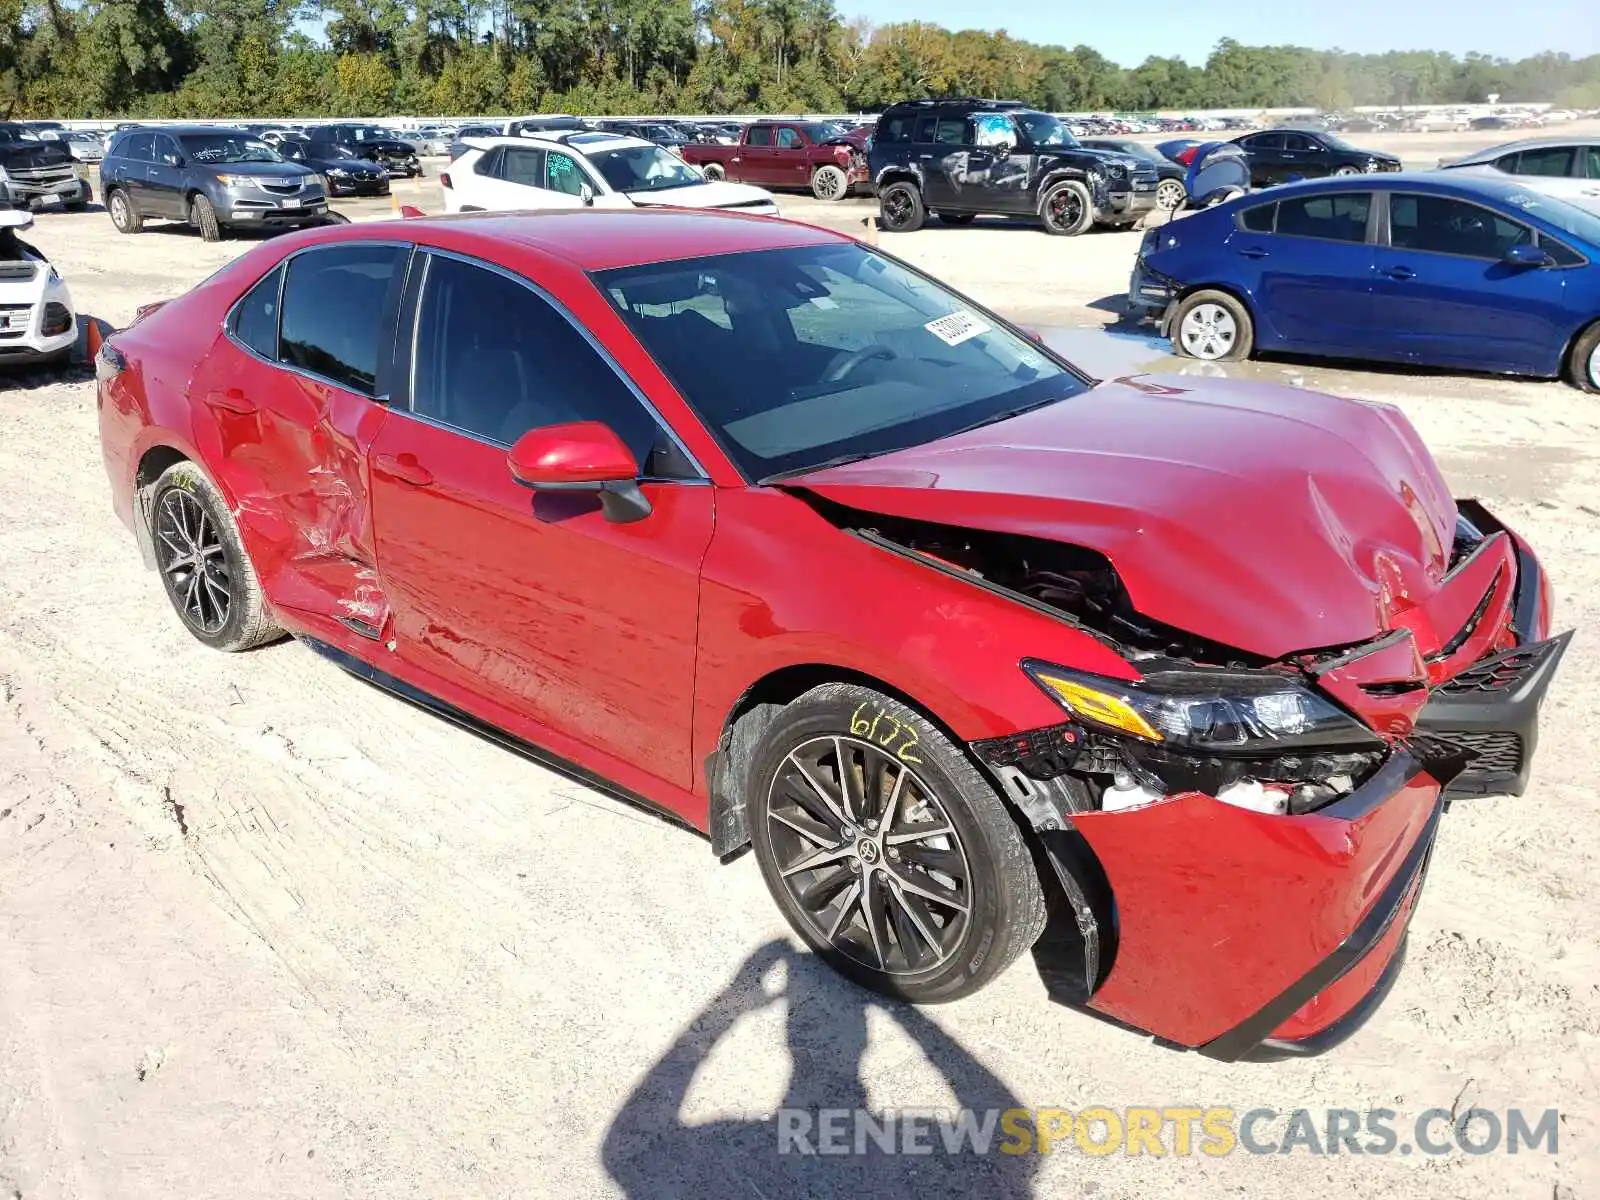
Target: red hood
<point x="1266" y="518"/>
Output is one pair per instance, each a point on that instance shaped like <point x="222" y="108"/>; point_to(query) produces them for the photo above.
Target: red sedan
<point x="746" y="521"/>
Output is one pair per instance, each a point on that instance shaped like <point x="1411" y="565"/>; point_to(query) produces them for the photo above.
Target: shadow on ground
<point x="651" y="1152"/>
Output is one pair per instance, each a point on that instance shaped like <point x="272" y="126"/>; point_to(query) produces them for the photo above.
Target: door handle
<point x="1253" y="252"/>
<point x="232" y="400"/>
<point x="1401" y="273"/>
<point x="405" y="468"/>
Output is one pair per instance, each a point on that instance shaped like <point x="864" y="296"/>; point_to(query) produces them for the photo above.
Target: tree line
<point x="239" y="58"/>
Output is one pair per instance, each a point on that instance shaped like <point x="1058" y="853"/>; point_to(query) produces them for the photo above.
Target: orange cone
<point x="92" y="339"/>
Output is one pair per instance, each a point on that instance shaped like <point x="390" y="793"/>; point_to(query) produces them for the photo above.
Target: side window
<point x="994" y="129"/>
<point x="166" y="151"/>
<point x="1508" y="162"/>
<point x="895" y="129"/>
<point x="1591" y="161"/>
<point x="1258" y="219"/>
<point x="139" y="147"/>
<point x="1298" y="141"/>
<point x="255" y="317"/>
<point x="952" y="131"/>
<point x="489" y="163"/>
<point x="1547" y="160"/>
<point x="760" y="135"/>
<point x="1339" y="218"/>
<point x="925" y="127"/>
<point x="495" y="359"/>
<point x="789" y="139"/>
<point x="334" y="302"/>
<point x="1440" y="225"/>
<point x="1563" y="254"/>
<point x="520" y="165"/>
<point x="562" y="174"/>
<point x="1264" y="141"/>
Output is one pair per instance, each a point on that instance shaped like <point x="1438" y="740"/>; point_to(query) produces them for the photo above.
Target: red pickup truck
<point x="810" y="155"/>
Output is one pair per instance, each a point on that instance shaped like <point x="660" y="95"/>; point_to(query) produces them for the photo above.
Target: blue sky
<point x="1129" y="32"/>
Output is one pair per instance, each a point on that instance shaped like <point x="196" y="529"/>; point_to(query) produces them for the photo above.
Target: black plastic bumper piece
<point x="1492" y="710"/>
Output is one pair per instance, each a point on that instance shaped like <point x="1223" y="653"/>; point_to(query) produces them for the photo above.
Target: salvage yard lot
<point x="265" y="931"/>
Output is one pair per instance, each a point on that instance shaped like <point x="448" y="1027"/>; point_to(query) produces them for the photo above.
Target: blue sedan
<point x="1478" y="274"/>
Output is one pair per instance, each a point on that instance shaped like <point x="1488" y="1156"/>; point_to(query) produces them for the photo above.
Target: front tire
<point x="886" y="850"/>
<point x="900" y="208"/>
<point x="124" y="216"/>
<point x="1213" y="327"/>
<point x="204" y="568"/>
<point x="204" y="215"/>
<point x="1583" y="364"/>
<point x="1066" y="209"/>
<point x="1347" y="170"/>
<point x="829" y="183"/>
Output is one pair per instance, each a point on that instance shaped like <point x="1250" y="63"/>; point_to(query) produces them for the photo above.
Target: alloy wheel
<point x="119" y="210"/>
<point x="1065" y="209"/>
<point x="192" y="558"/>
<point x="1169" y="194"/>
<point x="829" y="185"/>
<point x="869" y="856"/>
<point x="1347" y="170"/>
<point x="896" y="207"/>
<point x="1208" y="331"/>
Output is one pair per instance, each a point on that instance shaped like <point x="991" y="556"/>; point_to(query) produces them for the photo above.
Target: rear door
<point x="1266" y="158"/>
<point x="131" y="167"/>
<point x="1314" y="270"/>
<point x="295" y="386"/>
<point x="535" y="600"/>
<point x="164" y="179"/>
<point x="1444" y="295"/>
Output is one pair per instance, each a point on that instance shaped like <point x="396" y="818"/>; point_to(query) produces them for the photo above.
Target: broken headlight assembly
<point x="1254" y="739"/>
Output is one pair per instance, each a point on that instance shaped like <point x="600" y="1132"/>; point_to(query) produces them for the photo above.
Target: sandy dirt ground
<point x="266" y="932"/>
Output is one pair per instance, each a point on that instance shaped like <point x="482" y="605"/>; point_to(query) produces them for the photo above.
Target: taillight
<point x="1187" y="156"/>
<point x="444" y="180"/>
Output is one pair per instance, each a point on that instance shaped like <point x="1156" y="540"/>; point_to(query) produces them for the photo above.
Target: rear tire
<point x="1213" y="327"/>
<point x="1066" y="209"/>
<point x="829" y="183"/>
<point x="204" y="215"/>
<point x="1170" y="193"/>
<point x="124" y="216"/>
<point x="713" y="172"/>
<point x="900" y="208"/>
<point x="1583" y="364"/>
<point x="924" y="889"/>
<point x="203" y="564"/>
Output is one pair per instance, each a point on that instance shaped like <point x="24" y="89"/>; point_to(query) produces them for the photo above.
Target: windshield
<point x="1044" y="130"/>
<point x="227" y="148"/>
<point x="1560" y="213"/>
<point x="370" y="133"/>
<point x="644" y="169"/>
<point x="796" y="358"/>
<point x="15" y="133"/>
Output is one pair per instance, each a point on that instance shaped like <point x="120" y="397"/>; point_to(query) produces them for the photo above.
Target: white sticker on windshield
<point x="956" y="328"/>
<point x="824" y="302"/>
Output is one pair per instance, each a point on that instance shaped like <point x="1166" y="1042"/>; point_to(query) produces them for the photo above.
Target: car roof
<point x="594" y="140"/>
<point x="594" y="239"/>
<point x="1460" y="183"/>
<point x="1494" y="152"/>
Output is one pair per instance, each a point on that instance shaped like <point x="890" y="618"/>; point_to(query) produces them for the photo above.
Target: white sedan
<point x="574" y="170"/>
<point x="1567" y="168"/>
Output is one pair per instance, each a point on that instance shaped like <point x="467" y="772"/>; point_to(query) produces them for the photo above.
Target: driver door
<point x="536" y="601"/>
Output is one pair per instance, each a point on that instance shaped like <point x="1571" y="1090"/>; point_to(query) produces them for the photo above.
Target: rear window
<point x="255" y="318"/>
<point x="334" y="301"/>
<point x="1338" y="218"/>
<point x="1547" y="160"/>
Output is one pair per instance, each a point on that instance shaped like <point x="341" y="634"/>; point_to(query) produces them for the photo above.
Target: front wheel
<point x="207" y="575"/>
<point x="204" y="214"/>
<point x="887" y="851"/>
<point x="900" y="208"/>
<point x="829" y="183"/>
<point x="1583" y="366"/>
<point x="1214" y="327"/>
<point x="1066" y="209"/>
<point x="1347" y="170"/>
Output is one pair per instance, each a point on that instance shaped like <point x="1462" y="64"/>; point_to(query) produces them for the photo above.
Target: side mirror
<point x="1524" y="255"/>
<point x="581" y="456"/>
<point x="586" y="194"/>
<point x="1002" y="150"/>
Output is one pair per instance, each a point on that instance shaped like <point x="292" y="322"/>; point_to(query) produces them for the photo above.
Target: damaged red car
<point x="1168" y="681"/>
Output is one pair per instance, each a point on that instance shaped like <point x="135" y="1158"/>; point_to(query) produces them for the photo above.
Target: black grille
<point x="1501" y="673"/>
<point x="1498" y="752"/>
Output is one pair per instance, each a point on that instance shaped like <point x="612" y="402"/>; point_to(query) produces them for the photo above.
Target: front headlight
<point x="1206" y="711"/>
<point x="236" y="180"/>
<point x="1116" y="172"/>
<point x="338" y="172"/>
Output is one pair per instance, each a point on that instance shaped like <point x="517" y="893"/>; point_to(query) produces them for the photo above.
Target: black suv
<point x="211" y="176"/>
<point x="1280" y="155"/>
<point x="374" y="143"/>
<point x="961" y="158"/>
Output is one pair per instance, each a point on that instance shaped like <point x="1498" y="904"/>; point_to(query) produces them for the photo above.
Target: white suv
<point x="573" y="170"/>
